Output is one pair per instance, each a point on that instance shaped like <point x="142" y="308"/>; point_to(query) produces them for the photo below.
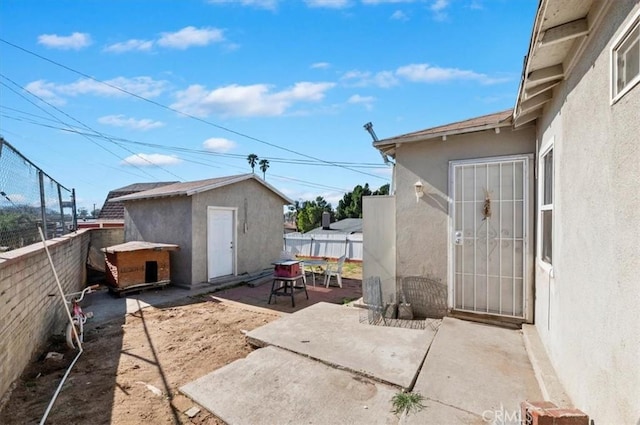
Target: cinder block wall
<point x="102" y="238"/>
<point x="29" y="314"/>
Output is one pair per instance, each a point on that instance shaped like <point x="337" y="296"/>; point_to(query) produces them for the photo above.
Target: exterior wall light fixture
<point x="419" y="187"/>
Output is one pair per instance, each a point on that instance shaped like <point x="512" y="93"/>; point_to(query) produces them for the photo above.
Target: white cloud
<point x="132" y="123"/>
<point x="130" y="45"/>
<point x="320" y="65"/>
<point x="219" y="144"/>
<point x="439" y="5"/>
<point x="439" y="9"/>
<point x="329" y="4"/>
<point x="141" y="86"/>
<point x="191" y="36"/>
<point x="367" y="101"/>
<point x="358" y="78"/>
<point x="45" y="90"/>
<point x="75" y="41"/>
<point x="252" y="100"/>
<point x="424" y="73"/>
<point x="261" y="4"/>
<point x="151" y="159"/>
<point x="399" y="15"/>
<point x="417" y="73"/>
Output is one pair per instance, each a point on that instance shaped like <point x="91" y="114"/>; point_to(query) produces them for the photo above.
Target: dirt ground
<point x="131" y="368"/>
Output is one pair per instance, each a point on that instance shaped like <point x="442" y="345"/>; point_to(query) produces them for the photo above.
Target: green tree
<point x="83" y="212"/>
<point x="383" y="190"/>
<point x="291" y="216"/>
<point x="350" y="206"/>
<point x="253" y="160"/>
<point x="310" y="214"/>
<point x="264" y="165"/>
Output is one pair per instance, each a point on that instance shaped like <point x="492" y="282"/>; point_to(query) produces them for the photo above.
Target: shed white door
<point x="489" y="218"/>
<point x="220" y="242"/>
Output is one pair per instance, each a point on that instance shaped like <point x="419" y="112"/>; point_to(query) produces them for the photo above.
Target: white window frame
<point x="542" y="178"/>
<point x="633" y="25"/>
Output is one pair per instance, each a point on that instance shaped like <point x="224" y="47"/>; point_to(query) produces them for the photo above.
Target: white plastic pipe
<point x="66" y="307"/>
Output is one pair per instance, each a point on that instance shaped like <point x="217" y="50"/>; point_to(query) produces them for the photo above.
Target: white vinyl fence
<point x="320" y="245"/>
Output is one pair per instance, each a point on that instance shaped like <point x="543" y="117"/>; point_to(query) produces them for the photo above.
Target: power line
<point x="160" y="105"/>
<point x="184" y="151"/>
<point x="83" y="125"/>
<point x="39" y="107"/>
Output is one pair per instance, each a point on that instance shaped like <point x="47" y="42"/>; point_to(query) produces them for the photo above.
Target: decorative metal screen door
<point x="489" y="239"/>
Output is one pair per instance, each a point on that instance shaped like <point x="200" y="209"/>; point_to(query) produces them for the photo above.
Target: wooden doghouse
<point x="138" y="264"/>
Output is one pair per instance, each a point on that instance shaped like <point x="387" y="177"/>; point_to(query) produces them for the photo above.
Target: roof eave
<point x="216" y="185"/>
<point x="536" y="84"/>
<point x="140" y="198"/>
<point x="390" y="144"/>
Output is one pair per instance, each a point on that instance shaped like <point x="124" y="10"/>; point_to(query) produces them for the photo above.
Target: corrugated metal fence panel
<point x="332" y="246"/>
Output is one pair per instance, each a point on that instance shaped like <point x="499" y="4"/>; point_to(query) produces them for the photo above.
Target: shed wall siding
<point x="259" y="226"/>
<point x="164" y="220"/>
<point x="586" y="312"/>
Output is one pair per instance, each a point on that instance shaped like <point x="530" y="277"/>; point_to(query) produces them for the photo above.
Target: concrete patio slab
<point x="481" y="371"/>
<point x="275" y="386"/>
<point x="334" y="335"/>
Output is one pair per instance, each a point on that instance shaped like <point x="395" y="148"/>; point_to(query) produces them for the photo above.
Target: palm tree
<point x="253" y="160"/>
<point x="264" y="164"/>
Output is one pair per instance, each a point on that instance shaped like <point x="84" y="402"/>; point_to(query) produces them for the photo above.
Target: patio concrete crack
<point x="453" y="407"/>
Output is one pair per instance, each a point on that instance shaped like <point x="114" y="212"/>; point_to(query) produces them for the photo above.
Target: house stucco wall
<point x="163" y="220"/>
<point x="379" y="247"/>
<point x="422" y="239"/>
<point x="587" y="304"/>
<point x="259" y="226"/>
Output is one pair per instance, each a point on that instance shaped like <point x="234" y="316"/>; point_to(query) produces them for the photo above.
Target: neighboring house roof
<point x="347" y="226"/>
<point x="199" y="186"/>
<point x="558" y="38"/>
<point x="115" y="210"/>
<point x="482" y="123"/>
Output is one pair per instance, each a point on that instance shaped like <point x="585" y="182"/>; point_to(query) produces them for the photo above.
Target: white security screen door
<point x="489" y="218"/>
<point x="220" y="242"/>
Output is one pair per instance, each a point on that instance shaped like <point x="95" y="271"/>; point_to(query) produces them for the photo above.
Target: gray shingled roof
<point x="347" y="226"/>
<point x="481" y="123"/>
<point x="115" y="210"/>
<point x="194" y="187"/>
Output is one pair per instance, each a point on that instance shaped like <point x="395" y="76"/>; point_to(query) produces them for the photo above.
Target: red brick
<point x="547" y="413"/>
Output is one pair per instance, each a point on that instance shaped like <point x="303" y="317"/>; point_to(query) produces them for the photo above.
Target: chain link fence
<point x="29" y="198"/>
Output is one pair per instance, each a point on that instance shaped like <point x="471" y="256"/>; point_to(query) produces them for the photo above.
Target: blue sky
<point x="294" y="81"/>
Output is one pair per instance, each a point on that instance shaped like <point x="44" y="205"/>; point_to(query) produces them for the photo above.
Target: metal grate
<point x="428" y="297"/>
<point x="374" y="312"/>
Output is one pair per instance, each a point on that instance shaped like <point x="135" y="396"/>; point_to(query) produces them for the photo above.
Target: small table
<point x="288" y="289"/>
<point x="314" y="263"/>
